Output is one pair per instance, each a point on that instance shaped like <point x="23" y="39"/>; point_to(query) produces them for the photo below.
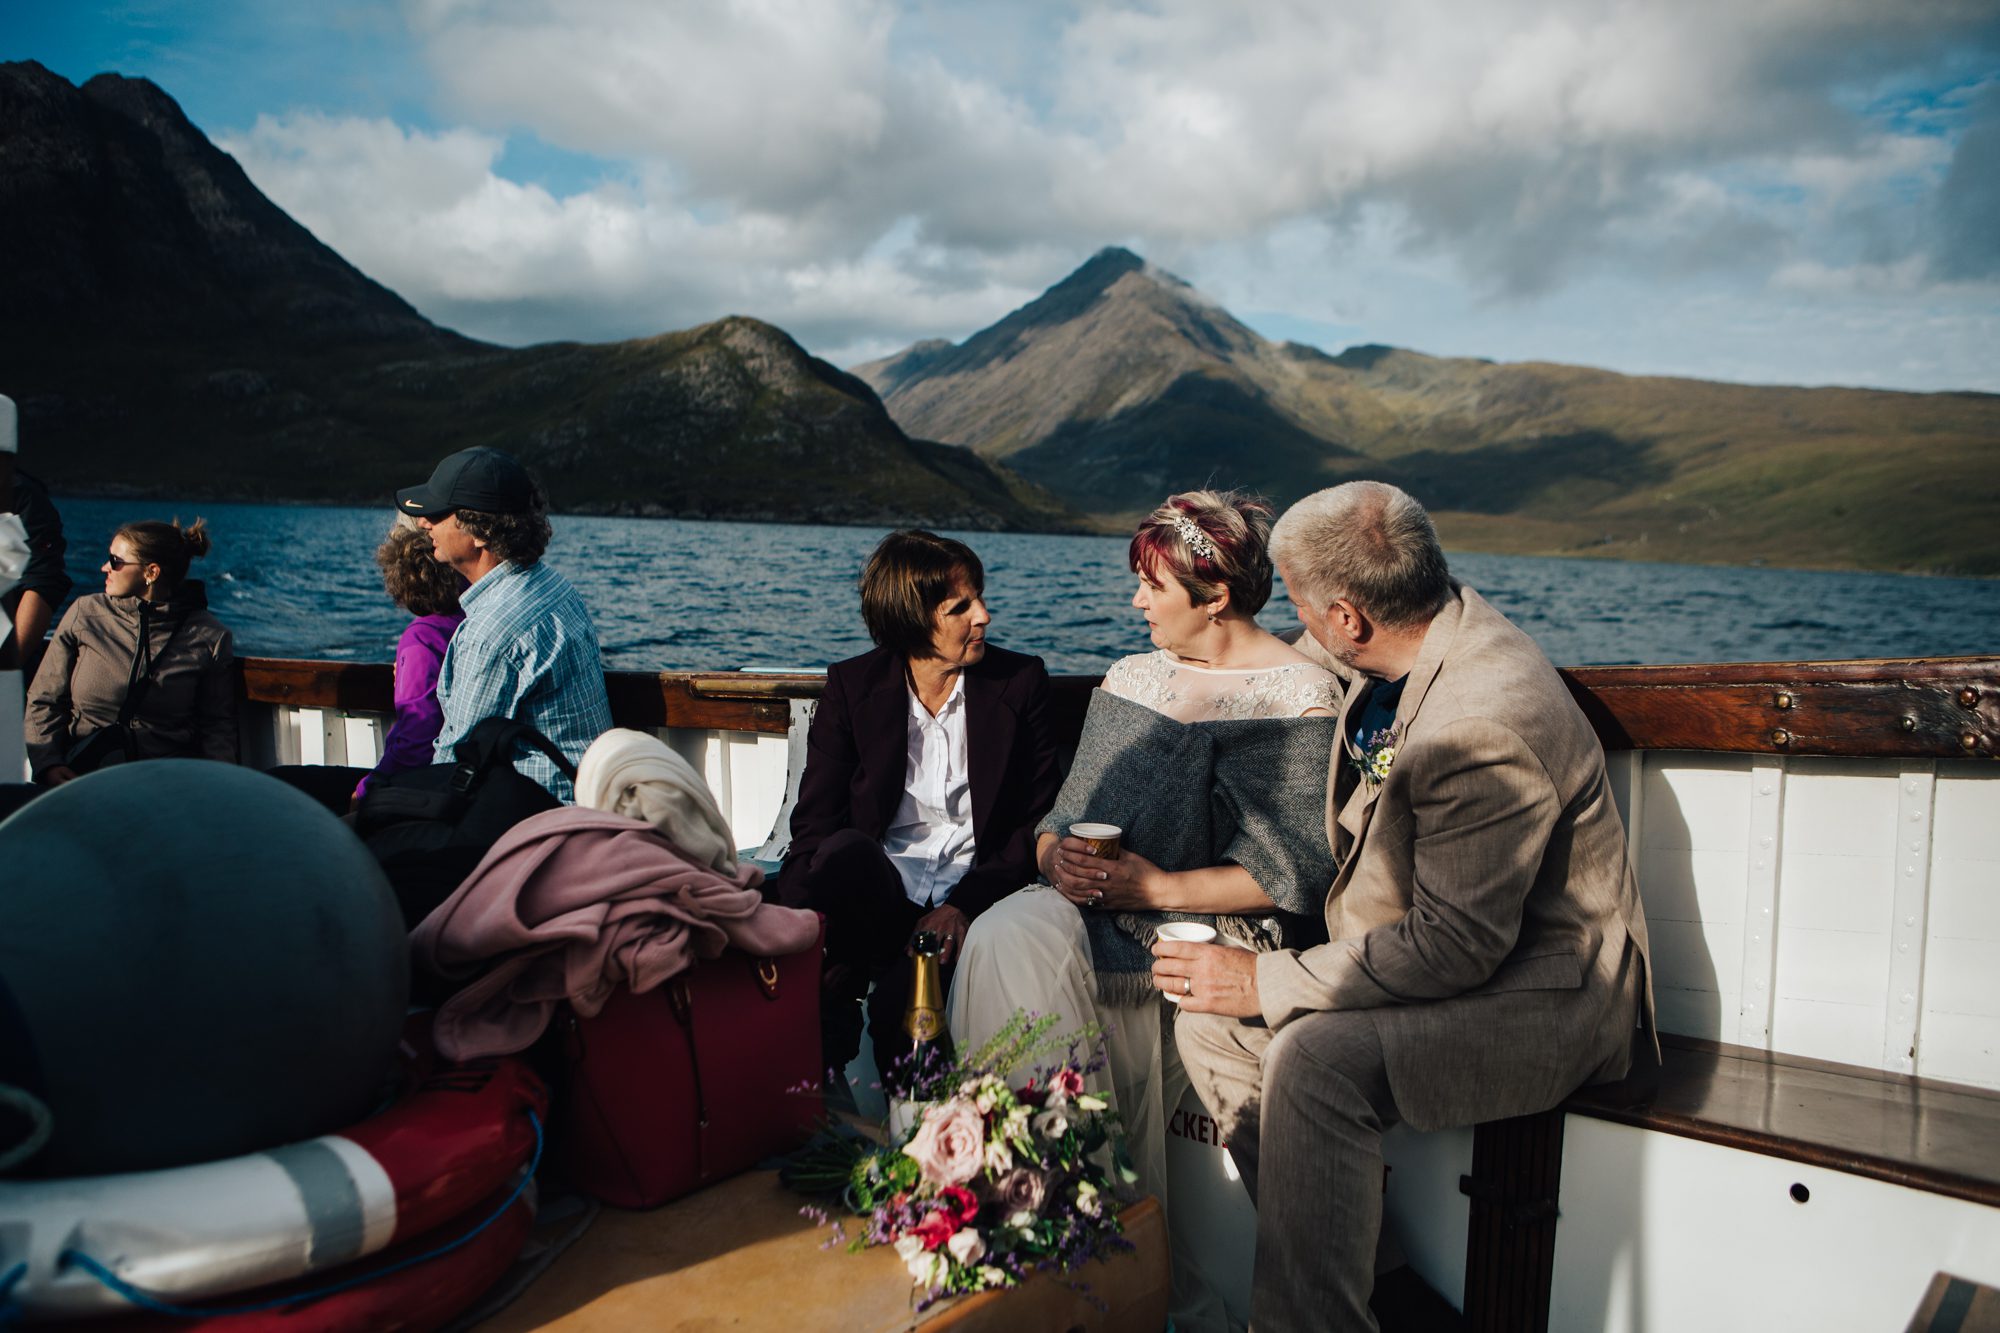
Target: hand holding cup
<point x="1093" y="869"/>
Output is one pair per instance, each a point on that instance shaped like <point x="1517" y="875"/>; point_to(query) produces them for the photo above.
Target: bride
<point x="1210" y="753"/>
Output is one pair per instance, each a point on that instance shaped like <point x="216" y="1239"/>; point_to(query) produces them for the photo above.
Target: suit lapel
<point x="1344" y="780"/>
<point x="1437" y="643"/>
<point x="1358" y="803"/>
<point x="882" y="736"/>
<point x="989" y="739"/>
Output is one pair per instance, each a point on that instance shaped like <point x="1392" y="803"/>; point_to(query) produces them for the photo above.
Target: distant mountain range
<point x="167" y="330"/>
<point x="1121" y="384"/>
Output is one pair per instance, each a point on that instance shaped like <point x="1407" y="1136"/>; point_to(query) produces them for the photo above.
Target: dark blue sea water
<point x="672" y="595"/>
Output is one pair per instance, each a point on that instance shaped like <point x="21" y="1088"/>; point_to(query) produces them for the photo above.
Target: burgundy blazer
<point x="857" y="760"/>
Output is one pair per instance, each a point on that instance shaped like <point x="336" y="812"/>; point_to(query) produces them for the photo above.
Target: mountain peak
<point x="136" y="218"/>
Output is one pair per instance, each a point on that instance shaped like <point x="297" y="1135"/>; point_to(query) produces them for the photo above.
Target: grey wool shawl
<point x="1190" y="795"/>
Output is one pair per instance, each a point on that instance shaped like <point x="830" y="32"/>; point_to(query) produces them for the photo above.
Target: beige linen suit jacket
<point x="1485" y="905"/>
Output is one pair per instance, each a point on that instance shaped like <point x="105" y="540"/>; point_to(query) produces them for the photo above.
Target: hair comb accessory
<point x="1198" y="541"/>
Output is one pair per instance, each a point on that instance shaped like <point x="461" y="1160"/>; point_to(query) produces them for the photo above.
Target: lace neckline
<point x="1184" y="665"/>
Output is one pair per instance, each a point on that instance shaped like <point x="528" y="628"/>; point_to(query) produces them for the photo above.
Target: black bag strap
<point x="491" y="741"/>
<point x="141" y="681"/>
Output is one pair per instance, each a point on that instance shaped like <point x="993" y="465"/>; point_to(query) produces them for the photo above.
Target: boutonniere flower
<point x="1375" y="754"/>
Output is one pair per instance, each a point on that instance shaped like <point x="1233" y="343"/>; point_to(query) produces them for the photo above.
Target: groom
<point x="1487" y="951"/>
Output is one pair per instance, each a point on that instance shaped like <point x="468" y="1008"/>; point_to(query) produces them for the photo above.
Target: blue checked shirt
<point x="527" y="650"/>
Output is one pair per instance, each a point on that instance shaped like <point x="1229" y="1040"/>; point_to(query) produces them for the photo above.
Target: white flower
<point x="985" y="1092"/>
<point x="966" y="1246"/>
<point x="1052" y="1123"/>
<point x="908" y="1248"/>
<point x="1087" y="1201"/>
<point x="1091" y="1102"/>
<point x="1017" y="1122"/>
<point x="1022" y="1219"/>
<point x="989" y="1276"/>
<point x="929" y="1270"/>
<point x="999" y="1161"/>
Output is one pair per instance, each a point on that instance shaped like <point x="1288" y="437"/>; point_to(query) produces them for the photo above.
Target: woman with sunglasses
<point x="138" y="671"/>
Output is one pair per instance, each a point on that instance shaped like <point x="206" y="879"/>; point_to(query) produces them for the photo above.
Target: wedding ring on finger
<point x="1187" y="985"/>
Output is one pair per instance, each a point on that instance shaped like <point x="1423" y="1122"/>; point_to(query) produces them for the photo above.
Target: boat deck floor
<point x="739" y="1256"/>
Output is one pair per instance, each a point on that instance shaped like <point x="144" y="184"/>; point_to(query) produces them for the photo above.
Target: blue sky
<point x="1788" y="191"/>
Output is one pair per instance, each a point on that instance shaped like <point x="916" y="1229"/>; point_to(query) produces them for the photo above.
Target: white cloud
<point x="865" y="172"/>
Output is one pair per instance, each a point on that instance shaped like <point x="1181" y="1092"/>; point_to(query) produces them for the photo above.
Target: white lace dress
<point x="1029" y="950"/>
<point x="1189" y="693"/>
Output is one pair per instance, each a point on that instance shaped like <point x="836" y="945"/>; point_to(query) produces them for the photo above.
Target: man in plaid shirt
<point x="527" y="649"/>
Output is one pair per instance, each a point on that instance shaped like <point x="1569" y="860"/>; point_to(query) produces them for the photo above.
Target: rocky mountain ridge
<point x="1121" y="384"/>
<point x="177" y="333"/>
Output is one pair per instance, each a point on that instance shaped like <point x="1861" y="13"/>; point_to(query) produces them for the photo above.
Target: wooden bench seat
<point x="1943" y="1138"/>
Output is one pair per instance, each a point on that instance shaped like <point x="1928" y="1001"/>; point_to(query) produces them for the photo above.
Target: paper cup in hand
<point x="1103" y="838"/>
<point x="1187" y="932"/>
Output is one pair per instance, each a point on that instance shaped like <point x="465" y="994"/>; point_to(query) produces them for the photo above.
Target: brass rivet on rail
<point x="1784" y="699"/>
<point x="1968" y="696"/>
<point x="1781" y="737"/>
<point x="1909" y="722"/>
<point x="1969" y="741"/>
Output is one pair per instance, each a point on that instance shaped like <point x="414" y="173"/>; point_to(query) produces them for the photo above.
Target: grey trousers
<point x="1303" y="1113"/>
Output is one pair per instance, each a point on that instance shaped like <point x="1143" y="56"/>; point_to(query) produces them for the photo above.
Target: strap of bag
<point x="491" y="741"/>
<point x="141" y="681"/>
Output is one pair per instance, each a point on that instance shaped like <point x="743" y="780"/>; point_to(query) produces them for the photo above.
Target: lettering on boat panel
<point x="1196" y="1128"/>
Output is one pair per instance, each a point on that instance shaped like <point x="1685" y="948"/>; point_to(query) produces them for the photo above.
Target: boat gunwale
<point x="1920" y="708"/>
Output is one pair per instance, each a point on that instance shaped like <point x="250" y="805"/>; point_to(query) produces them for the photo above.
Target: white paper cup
<point x="1103" y="838"/>
<point x="1187" y="932"/>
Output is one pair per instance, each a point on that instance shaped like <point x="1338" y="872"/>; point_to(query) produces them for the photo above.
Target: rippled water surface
<point x="672" y="595"/>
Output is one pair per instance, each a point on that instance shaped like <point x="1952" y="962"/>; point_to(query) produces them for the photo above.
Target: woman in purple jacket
<point x="428" y="589"/>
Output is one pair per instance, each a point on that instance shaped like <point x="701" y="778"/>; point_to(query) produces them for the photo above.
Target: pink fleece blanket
<point x="575" y="903"/>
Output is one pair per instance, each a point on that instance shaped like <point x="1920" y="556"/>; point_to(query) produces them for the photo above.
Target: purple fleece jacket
<point x="419" y="657"/>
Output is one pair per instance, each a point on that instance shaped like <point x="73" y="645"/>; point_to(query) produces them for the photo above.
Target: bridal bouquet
<point x="992" y="1182"/>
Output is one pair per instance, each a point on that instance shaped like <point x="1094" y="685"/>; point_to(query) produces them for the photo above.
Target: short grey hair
<point x="1368" y="543"/>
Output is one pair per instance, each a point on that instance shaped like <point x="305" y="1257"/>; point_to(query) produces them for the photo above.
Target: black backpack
<point x="429" y="826"/>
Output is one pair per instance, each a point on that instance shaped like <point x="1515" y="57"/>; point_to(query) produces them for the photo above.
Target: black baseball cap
<point x="483" y="479"/>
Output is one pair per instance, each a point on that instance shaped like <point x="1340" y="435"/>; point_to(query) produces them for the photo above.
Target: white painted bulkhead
<point x="1662" y="1233"/>
<point x="1839" y="909"/>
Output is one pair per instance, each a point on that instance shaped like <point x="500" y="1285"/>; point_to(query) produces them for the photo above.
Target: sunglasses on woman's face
<point x="117" y="562"/>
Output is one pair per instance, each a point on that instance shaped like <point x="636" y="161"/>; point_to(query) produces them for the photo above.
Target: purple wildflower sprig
<point x="1375" y="755"/>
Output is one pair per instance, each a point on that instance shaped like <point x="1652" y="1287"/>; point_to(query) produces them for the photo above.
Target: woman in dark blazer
<point x="928" y="764"/>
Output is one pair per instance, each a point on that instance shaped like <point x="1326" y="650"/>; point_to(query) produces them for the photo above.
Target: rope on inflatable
<point x="146" y="1301"/>
<point x="8" y="1281"/>
<point x="40" y="1125"/>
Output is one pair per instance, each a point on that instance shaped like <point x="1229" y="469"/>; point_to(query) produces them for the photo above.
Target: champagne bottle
<point x="923" y="1020"/>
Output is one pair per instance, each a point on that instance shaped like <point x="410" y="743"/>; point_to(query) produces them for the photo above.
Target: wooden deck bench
<point x="1941" y="1138"/>
<point x="1551" y="1192"/>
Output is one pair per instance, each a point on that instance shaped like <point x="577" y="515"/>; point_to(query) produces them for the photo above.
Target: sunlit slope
<point x="1121" y="384"/>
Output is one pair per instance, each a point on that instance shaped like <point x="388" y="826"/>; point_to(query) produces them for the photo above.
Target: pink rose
<point x="1068" y="1082"/>
<point x="950" y="1146"/>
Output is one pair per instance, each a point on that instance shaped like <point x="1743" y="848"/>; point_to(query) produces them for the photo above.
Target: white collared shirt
<point x="930" y="837"/>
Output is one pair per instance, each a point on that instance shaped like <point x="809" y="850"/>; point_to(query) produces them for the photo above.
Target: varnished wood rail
<point x="1907" y="708"/>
